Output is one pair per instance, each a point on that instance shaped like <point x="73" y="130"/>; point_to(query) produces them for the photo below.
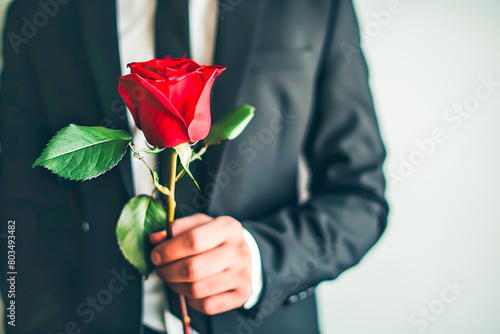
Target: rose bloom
<point x="170" y="99"/>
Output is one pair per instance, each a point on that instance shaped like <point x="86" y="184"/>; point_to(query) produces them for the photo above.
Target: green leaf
<point x="140" y="217"/>
<point x="231" y="125"/>
<point x="83" y="152"/>
<point x="184" y="151"/>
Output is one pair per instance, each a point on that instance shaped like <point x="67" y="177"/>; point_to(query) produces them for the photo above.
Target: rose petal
<point x="184" y="92"/>
<point x="176" y="66"/>
<point x="200" y="122"/>
<point x="128" y="89"/>
<point x="161" y="127"/>
<point x="170" y="99"/>
<point x="175" y="62"/>
<point x="146" y="73"/>
<point x="160" y="89"/>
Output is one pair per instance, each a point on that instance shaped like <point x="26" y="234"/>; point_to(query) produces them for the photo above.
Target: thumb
<point x="181" y="225"/>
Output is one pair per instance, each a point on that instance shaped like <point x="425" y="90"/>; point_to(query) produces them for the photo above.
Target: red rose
<point x="170" y="99"/>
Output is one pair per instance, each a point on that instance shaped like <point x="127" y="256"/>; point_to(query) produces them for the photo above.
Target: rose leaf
<point x="230" y="125"/>
<point x="140" y="217"/>
<point x="83" y="152"/>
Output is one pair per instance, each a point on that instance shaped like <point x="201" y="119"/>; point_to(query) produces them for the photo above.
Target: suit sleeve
<point x="346" y="213"/>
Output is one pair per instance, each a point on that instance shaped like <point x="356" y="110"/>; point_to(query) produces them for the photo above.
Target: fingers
<point x="197" y="267"/>
<point x="186" y="223"/>
<point x="207" y="287"/>
<point x="158" y="237"/>
<point x="181" y="225"/>
<point x="196" y="240"/>
<point x="208" y="260"/>
<point x="219" y="303"/>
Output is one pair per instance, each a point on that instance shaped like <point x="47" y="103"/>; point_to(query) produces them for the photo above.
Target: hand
<point x="207" y="260"/>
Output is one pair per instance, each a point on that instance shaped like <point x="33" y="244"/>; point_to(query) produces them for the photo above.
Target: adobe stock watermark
<point x="227" y="6"/>
<point x="117" y="107"/>
<point x="249" y="148"/>
<point x="421" y="319"/>
<point x="138" y="94"/>
<point x="453" y="117"/>
<point x="32" y="25"/>
<point x="380" y="19"/>
<point x="88" y="309"/>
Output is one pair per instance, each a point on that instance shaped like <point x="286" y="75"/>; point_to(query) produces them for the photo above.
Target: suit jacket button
<point x="85" y="226"/>
<point x="302" y="295"/>
<point x="292" y="299"/>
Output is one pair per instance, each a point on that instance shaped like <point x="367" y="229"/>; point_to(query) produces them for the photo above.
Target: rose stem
<point x="169" y="224"/>
<point x="171" y="187"/>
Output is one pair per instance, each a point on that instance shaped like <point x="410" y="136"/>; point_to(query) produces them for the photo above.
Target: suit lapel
<point x="236" y="39"/>
<point x="98" y="19"/>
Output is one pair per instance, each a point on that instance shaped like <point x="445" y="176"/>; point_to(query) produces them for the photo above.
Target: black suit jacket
<point x="283" y="57"/>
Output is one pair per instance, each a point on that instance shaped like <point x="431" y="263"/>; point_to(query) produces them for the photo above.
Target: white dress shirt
<point x="136" y="26"/>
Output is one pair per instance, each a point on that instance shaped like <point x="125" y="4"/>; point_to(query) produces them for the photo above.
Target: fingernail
<point x="156" y="258"/>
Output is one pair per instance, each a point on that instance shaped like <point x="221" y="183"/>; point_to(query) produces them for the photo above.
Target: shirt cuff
<point x="256" y="270"/>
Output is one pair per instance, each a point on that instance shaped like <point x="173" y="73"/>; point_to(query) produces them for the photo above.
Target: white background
<point x="444" y="220"/>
